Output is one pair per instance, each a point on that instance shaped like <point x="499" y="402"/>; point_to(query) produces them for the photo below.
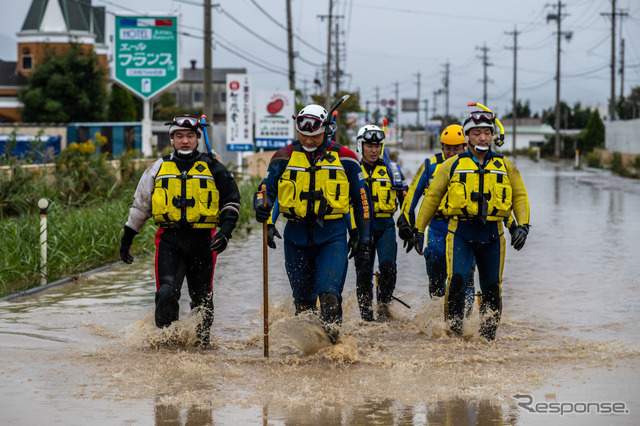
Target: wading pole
<point x="43" y="204"/>
<point x="265" y="274"/>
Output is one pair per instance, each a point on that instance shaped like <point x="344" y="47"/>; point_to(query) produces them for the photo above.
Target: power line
<point x="274" y="20"/>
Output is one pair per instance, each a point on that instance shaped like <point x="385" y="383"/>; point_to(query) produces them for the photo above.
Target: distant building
<point x="531" y="133"/>
<point x="189" y="92"/>
<point x="50" y="27"/>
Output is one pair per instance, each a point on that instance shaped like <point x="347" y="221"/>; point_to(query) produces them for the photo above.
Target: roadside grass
<point x="81" y="235"/>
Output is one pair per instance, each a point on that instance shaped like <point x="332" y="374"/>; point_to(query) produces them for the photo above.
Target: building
<point x="50" y="27"/>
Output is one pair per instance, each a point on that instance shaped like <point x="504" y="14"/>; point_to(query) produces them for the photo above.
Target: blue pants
<point x="436" y="262"/>
<point x="470" y="242"/>
<point x="315" y="259"/>
<point x="385" y="245"/>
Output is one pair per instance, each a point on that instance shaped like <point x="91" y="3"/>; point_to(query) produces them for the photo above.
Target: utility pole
<point x="418" y="103"/>
<point x="558" y="17"/>
<point x="208" y="69"/>
<point x="327" y="87"/>
<point x="621" y="68"/>
<point x="426" y="110"/>
<point x="376" y="113"/>
<point x="515" y="86"/>
<point x="337" y="58"/>
<point x="292" y="73"/>
<point x="445" y="81"/>
<point x="612" y="99"/>
<point x="485" y="64"/>
<point x="397" y="121"/>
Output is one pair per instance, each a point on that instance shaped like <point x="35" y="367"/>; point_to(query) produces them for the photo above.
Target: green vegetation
<point x="88" y="209"/>
<point x="65" y="88"/>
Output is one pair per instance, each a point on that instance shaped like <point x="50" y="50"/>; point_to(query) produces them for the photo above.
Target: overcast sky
<point x="389" y="42"/>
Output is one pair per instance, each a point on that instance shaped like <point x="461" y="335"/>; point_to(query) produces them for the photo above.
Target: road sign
<point x="147" y="54"/>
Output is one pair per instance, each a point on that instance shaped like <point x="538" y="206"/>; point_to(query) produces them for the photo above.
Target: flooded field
<point x="89" y="352"/>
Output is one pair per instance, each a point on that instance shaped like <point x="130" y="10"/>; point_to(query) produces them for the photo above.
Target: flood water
<point x="89" y="352"/>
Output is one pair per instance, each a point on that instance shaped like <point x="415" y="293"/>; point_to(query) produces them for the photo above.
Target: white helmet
<point x="369" y="134"/>
<point x="310" y="120"/>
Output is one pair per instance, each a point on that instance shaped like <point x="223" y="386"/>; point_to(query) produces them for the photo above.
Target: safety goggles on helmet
<point x="186" y="120"/>
<point x="373" y="136"/>
<point x="480" y="116"/>
<point x="308" y="123"/>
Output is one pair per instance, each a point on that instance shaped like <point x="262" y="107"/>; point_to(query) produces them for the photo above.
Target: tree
<point x="523" y="110"/>
<point x="629" y="107"/>
<point x="121" y="105"/>
<point x="593" y="135"/>
<point x="570" y="118"/>
<point x="65" y="88"/>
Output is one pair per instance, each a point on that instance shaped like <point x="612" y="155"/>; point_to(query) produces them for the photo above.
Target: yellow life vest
<point x="191" y="195"/>
<point x="382" y="193"/>
<point x="322" y="190"/>
<point x="484" y="193"/>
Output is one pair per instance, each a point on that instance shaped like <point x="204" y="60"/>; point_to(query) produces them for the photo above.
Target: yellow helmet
<point x="452" y="135"/>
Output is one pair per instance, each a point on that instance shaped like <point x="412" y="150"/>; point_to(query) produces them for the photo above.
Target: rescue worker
<point x="195" y="202"/>
<point x="452" y="142"/>
<point x="314" y="182"/>
<point x="386" y="195"/>
<point x="476" y="191"/>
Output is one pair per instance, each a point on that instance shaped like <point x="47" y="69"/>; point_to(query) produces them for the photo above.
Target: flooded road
<point x="89" y="352"/>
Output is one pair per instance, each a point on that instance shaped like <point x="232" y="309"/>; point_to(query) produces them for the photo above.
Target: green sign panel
<point x="146" y="53"/>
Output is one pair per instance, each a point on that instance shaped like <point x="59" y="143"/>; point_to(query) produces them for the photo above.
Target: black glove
<point x="353" y="242"/>
<point x="418" y="241"/>
<point x="220" y="240"/>
<point x="362" y="255"/>
<point x="262" y="212"/>
<point x="271" y="233"/>
<point x="513" y="228"/>
<point x="519" y="236"/>
<point x="125" y="244"/>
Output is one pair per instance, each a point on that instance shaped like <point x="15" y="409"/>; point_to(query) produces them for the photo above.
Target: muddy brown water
<point x="89" y="353"/>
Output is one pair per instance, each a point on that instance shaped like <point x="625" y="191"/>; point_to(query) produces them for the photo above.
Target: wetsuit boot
<point x="386" y="287"/>
<point x="469" y="294"/>
<point x="454" y="304"/>
<point x="490" y="312"/>
<point x="364" y="292"/>
<point x="203" y="330"/>
<point x="167" y="306"/>
<point x="305" y="306"/>
<point x="331" y="314"/>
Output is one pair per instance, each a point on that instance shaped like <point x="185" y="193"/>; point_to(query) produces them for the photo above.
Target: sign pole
<point x="146" y="128"/>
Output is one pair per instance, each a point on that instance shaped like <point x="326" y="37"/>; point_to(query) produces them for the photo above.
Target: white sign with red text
<point x="274" y="121"/>
<point x="239" y="116"/>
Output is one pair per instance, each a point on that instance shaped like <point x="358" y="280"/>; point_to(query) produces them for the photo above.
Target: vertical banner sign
<point x="147" y="55"/>
<point x="239" y="117"/>
<point x="274" y="126"/>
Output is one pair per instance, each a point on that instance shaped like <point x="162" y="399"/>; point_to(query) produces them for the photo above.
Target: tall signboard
<point x="239" y="116"/>
<point x="274" y="126"/>
<point x="147" y="55"/>
<point x="146" y="60"/>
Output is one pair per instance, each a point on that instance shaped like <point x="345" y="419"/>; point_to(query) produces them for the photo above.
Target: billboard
<point x="147" y="55"/>
<point x="274" y="125"/>
<point x="239" y="117"/>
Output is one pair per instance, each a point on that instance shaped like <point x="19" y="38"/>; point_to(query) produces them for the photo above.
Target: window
<point x="198" y="97"/>
<point x="223" y="97"/>
<point x="27" y="62"/>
